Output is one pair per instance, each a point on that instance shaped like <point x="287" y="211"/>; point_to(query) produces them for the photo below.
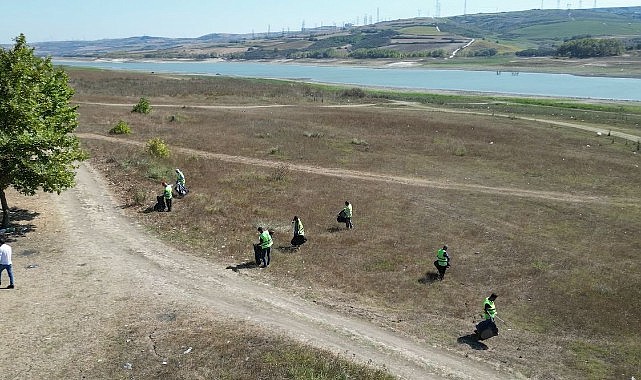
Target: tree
<point x="37" y="147"/>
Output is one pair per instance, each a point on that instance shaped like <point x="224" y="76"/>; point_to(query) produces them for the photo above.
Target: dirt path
<point x="368" y="176"/>
<point x="103" y="259"/>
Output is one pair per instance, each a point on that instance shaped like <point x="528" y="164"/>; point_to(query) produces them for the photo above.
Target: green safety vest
<point x="168" y="194"/>
<point x="348" y="211"/>
<point x="491" y="311"/>
<point x="265" y="240"/>
<point x="440" y="256"/>
<point x="181" y="178"/>
<point x="301" y="229"/>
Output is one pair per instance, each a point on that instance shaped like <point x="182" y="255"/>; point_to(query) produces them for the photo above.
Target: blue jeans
<point x="9" y="270"/>
<point x="266" y="254"/>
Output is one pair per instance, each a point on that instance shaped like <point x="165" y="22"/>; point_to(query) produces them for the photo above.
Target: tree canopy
<point x="37" y="147"/>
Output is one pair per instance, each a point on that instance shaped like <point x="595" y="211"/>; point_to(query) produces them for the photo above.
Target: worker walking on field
<point x="442" y="262"/>
<point x="299" y="233"/>
<point x="487" y="327"/>
<point x="265" y="241"/>
<point x="168" y="194"/>
<point x="489" y="309"/>
<point x="347" y="210"/>
<point x="181" y="186"/>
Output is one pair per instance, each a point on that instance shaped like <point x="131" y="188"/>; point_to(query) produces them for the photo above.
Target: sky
<point x="65" y="20"/>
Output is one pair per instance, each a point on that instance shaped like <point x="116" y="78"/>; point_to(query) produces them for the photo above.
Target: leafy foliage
<point x="143" y="106"/>
<point x="122" y="128"/>
<point x="37" y="147"/>
<point x="158" y="148"/>
<point x="591" y="47"/>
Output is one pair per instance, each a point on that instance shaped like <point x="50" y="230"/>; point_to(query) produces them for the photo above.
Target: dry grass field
<point x="549" y="218"/>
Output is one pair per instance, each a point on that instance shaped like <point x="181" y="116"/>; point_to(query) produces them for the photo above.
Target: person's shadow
<point x="429" y="278"/>
<point x="245" y="265"/>
<point x="472" y="340"/>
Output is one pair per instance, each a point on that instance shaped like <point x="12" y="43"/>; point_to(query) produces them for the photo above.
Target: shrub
<point x="122" y="128"/>
<point x="139" y="197"/>
<point x="143" y="106"/>
<point x="354" y="92"/>
<point x="359" y="142"/>
<point x="157" y="148"/>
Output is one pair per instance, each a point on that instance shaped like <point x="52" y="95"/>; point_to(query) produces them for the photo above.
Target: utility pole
<point x="594" y="4"/>
<point x="378" y="19"/>
<point x="465" y="8"/>
<point x="558" y="4"/>
<point x="438" y="8"/>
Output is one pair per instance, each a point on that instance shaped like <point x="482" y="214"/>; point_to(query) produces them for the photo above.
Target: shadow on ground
<point x="473" y="341"/>
<point x="429" y="278"/>
<point x="245" y="265"/>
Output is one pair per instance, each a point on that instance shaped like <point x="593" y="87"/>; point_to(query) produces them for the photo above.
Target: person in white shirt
<point x="5" y="261"/>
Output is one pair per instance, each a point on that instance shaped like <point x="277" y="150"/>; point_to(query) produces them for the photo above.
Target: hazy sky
<point x="61" y="20"/>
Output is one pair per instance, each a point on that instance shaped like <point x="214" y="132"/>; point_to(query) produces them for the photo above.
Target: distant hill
<point x="479" y="34"/>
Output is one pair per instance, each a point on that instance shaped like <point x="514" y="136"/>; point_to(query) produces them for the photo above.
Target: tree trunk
<point x="5" y="209"/>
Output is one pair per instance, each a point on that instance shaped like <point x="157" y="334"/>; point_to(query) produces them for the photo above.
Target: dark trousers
<point x="168" y="202"/>
<point x="348" y="223"/>
<point x="441" y="270"/>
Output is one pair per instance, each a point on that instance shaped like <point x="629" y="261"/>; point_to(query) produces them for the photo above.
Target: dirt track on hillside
<point x="369" y="176"/>
<point x="101" y="261"/>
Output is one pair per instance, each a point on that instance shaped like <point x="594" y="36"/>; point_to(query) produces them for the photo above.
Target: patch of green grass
<point x="421" y="31"/>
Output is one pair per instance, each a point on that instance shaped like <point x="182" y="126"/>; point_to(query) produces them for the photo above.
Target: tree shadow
<point x="22" y="215"/>
<point x="245" y="265"/>
<point x="429" y="278"/>
<point x="472" y="340"/>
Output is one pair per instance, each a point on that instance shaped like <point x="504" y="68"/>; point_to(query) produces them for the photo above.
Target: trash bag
<point x="341" y="217"/>
<point x="160" y="203"/>
<point x="486" y="329"/>
<point x="298" y="240"/>
<point x="258" y="252"/>
<point x="181" y="189"/>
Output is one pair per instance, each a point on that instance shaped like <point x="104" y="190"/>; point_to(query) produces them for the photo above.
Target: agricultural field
<point x="548" y="217"/>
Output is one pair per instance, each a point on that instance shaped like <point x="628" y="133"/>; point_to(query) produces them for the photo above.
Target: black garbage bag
<point x="160" y="203"/>
<point x="341" y="217"/>
<point x="298" y="240"/>
<point x="486" y="329"/>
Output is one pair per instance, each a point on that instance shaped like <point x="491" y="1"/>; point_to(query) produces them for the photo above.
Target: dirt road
<point x="99" y="261"/>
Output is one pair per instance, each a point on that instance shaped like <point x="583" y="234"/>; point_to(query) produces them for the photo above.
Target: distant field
<point x="421" y="31"/>
<point x="569" y="29"/>
<point x="548" y="217"/>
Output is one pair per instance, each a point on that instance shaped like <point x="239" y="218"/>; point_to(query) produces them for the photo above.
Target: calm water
<point x="555" y="85"/>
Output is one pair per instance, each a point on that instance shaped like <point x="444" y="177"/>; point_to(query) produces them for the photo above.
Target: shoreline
<point x="610" y="68"/>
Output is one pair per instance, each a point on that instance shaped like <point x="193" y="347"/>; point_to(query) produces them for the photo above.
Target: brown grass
<point x="567" y="272"/>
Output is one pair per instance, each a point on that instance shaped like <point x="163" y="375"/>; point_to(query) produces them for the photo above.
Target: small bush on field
<point x="157" y="148"/>
<point x="359" y="142"/>
<point x="138" y="197"/>
<point x="143" y="106"/>
<point x="122" y="128"/>
<point x="275" y="150"/>
<point x="314" y="134"/>
<point x="354" y="92"/>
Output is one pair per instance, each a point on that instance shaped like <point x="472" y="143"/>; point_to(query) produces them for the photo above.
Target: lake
<point x="517" y="83"/>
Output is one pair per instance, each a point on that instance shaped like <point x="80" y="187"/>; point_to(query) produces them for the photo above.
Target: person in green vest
<point x="347" y="210"/>
<point x="299" y="233"/>
<point x="442" y="262"/>
<point x="266" y="242"/>
<point x="168" y="194"/>
<point x="181" y="186"/>
<point x="489" y="309"/>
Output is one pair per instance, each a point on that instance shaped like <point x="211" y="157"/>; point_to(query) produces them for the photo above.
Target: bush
<point x="143" y="106"/>
<point x="122" y="128"/>
<point x="157" y="148"/>
<point x="354" y="92"/>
